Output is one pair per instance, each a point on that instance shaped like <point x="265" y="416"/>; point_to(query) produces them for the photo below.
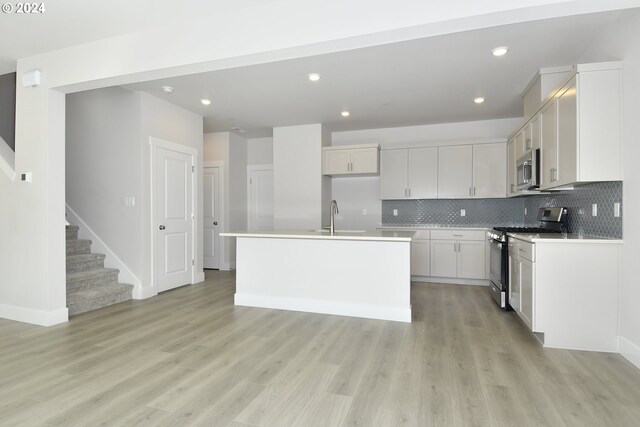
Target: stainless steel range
<point x="552" y="220"/>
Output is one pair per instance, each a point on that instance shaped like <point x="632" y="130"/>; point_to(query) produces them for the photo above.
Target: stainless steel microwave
<point x="528" y="171"/>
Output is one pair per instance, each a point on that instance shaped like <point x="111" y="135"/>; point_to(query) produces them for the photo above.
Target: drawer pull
<point x="458" y="235"/>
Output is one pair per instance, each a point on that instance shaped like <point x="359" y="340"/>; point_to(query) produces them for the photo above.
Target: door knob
<point x="215" y="222"/>
<point x="162" y="227"/>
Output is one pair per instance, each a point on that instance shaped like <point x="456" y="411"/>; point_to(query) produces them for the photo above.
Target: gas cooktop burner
<point x="525" y="230"/>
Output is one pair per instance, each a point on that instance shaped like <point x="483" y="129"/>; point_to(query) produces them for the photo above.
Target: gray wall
<point x="8" y="109"/>
<point x="510" y="212"/>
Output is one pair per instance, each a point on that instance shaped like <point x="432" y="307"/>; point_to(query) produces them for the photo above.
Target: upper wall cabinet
<point x="472" y="171"/>
<point x="410" y="173"/>
<point x="585" y="145"/>
<point x="351" y="160"/>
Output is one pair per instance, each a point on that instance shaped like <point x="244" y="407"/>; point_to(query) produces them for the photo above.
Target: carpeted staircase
<point x="89" y="285"/>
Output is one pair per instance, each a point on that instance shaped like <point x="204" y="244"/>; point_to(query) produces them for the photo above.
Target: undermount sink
<point x="338" y="231"/>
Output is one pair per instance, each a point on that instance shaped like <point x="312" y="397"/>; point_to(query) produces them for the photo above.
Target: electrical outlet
<point x="364" y="211"/>
<point x="463" y="212"/>
<point x="525" y="211"/>
<point x="395" y="212"/>
<point x="594" y="209"/>
<point x="616" y="209"/>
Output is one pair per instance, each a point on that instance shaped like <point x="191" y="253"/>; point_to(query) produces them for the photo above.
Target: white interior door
<point x="173" y="223"/>
<point x="261" y="199"/>
<point x="212" y="220"/>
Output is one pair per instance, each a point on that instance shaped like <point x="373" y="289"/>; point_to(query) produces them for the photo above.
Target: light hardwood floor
<point x="189" y="357"/>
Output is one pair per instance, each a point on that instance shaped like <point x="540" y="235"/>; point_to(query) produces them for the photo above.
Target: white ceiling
<point x="431" y="80"/>
<point x="72" y="22"/>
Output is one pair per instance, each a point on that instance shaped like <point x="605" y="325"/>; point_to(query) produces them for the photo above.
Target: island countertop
<point x="361" y="235"/>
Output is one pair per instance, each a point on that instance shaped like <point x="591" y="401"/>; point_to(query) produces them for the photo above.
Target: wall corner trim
<point x="629" y="351"/>
<point x="35" y="317"/>
<point x="7" y="160"/>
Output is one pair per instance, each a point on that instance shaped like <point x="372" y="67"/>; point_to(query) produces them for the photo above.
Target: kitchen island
<point x="357" y="273"/>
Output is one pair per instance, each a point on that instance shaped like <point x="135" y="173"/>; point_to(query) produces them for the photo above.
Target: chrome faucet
<point x="333" y="209"/>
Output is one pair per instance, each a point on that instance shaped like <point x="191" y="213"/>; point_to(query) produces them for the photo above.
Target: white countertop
<point x="430" y="227"/>
<point x="370" y="235"/>
<point x="559" y="238"/>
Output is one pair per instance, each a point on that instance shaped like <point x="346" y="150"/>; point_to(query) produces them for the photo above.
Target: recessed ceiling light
<point x="478" y="100"/>
<point x="167" y="89"/>
<point x="500" y="51"/>
<point x="345" y="114"/>
<point x="314" y="77"/>
<point x="205" y="101"/>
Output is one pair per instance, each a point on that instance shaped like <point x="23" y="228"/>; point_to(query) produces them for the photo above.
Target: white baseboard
<point x="35" y="317"/>
<point x="144" y="292"/>
<point x="629" y="351"/>
<point x="228" y="266"/>
<point x="199" y="277"/>
<point x="111" y="260"/>
<point x="450" y="281"/>
<point x="325" y="307"/>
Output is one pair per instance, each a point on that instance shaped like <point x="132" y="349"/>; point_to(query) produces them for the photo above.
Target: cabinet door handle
<point x="470" y="190"/>
<point x="474" y="191"/>
<point x="458" y="235"/>
<point x="409" y="192"/>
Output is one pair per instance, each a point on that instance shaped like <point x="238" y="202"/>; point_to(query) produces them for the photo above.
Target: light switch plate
<point x="364" y="211"/>
<point x="395" y="212"/>
<point x="616" y="209"/>
<point x="594" y="209"/>
<point x="463" y="212"/>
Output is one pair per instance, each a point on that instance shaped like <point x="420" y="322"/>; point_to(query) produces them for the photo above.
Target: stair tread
<point x="100" y="291"/>
<point x="78" y="242"/>
<point x="84" y="257"/>
<point x="90" y="274"/>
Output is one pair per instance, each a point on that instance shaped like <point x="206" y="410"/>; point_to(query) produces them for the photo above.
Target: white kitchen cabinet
<point x="549" y="144"/>
<point x="511" y="166"/>
<point x="444" y="258"/>
<point x="420" y="254"/>
<point x="409" y="173"/>
<point x="535" y="132"/>
<point x="585" y="142"/>
<point x="423" y="173"/>
<point x="521" y="279"/>
<point x="350" y="160"/>
<point x="471" y="259"/>
<point x="455" y="174"/>
<point x="458" y="253"/>
<point x="526" y="275"/>
<point x="489" y="171"/>
<point x="472" y="171"/>
<point x="393" y="174"/>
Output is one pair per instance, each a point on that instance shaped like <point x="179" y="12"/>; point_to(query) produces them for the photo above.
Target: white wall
<point x="355" y="194"/>
<point x="109" y="158"/>
<point x="231" y="150"/>
<point x="260" y="151"/>
<point x="104" y="159"/>
<point x="624" y="43"/>
<point x="169" y="122"/>
<point x="430" y="134"/>
<point x="297" y="177"/>
<point x="32" y="254"/>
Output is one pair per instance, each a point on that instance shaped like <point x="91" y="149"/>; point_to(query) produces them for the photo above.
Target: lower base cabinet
<point x="567" y="291"/>
<point x="458" y="253"/>
<point x="420" y="258"/>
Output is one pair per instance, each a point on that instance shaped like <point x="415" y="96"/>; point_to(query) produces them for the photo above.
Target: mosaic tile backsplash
<point x="510" y="212"/>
